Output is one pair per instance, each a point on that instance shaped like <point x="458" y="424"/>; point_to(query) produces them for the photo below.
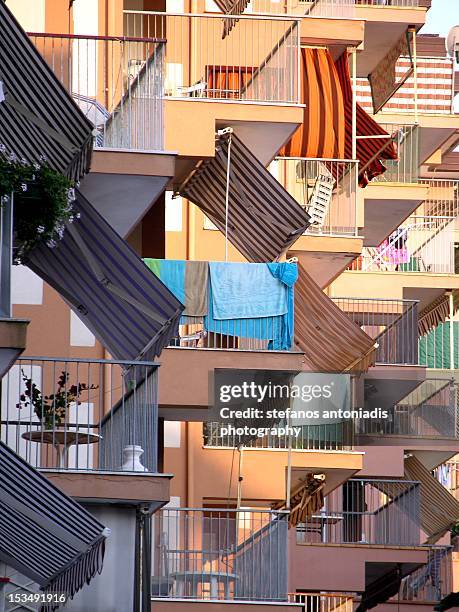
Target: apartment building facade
<point x="313" y="139"/>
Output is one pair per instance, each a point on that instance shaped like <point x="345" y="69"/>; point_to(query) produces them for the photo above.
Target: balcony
<point x="392" y="323"/>
<point x="78" y="420"/>
<point x="334" y="180"/>
<point x="76" y="414"/>
<point x="390" y="3"/>
<point x="323" y="602"/>
<point x="215" y="77"/>
<point x="367" y="512"/>
<point x="200" y="64"/>
<point x="220" y="555"/>
<point x="118" y="83"/>
<point x="330" y="436"/>
<point x="433" y="581"/>
<point x="430" y="411"/>
<point x="425" y="242"/>
<point x="406" y="168"/>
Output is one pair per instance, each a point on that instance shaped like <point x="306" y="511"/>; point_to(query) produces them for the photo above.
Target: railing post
<point x="6" y="254"/>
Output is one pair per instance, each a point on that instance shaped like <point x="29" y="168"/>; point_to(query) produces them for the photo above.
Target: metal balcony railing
<point x="326" y="436"/>
<point x="421" y="244"/>
<point x="316" y="8"/>
<point x="219" y="554"/>
<point x="201" y="64"/>
<point x="79" y="414"/>
<point x="399" y="3"/>
<point x="242" y="335"/>
<point x="385" y="512"/>
<point x="405" y="169"/>
<point x="323" y="602"/>
<point x="392" y="323"/>
<point x="442" y="199"/>
<point x="118" y="83"/>
<point x="428" y="411"/>
<point x="431" y="582"/>
<point x="302" y="177"/>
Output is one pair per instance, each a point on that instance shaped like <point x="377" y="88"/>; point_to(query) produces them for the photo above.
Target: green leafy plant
<point x="52" y="409"/>
<point x="43" y="202"/>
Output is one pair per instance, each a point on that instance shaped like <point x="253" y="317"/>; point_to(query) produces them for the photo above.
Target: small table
<point x="213" y="578"/>
<point x="62" y="440"/>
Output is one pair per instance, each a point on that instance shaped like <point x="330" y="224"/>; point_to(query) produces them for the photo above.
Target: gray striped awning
<point x="264" y="220"/>
<point x="131" y="312"/>
<point x="38" y="117"/>
<point x="44" y="534"/>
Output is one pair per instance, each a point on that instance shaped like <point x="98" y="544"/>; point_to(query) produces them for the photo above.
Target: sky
<point x="442" y="16"/>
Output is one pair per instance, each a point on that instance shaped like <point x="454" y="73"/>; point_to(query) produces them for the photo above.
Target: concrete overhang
<point x="332" y="32"/>
<point x="434" y="129"/>
<point x="191" y="124"/>
<point x="326" y="257"/>
<point x="425" y="287"/>
<point x="351" y="559"/>
<point x="338" y="466"/>
<point x="123" y="185"/>
<point x="121" y="488"/>
<point x="384" y="25"/>
<point x="189" y="401"/>
<point x="387" y="205"/>
<point x="13" y="334"/>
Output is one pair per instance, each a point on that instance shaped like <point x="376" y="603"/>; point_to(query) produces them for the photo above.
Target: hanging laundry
<point x="394" y="250"/>
<point x="276" y="329"/>
<point x="172" y="274"/>
<point x="196" y="283"/>
<point x="245" y="291"/>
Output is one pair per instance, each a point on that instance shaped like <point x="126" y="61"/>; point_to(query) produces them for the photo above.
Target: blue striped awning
<point x="37" y="115"/>
<point x="44" y="534"/>
<point x="130" y="311"/>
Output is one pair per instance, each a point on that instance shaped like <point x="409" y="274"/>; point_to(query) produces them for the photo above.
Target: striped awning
<point x="231" y="7"/>
<point x="330" y="341"/>
<point x="306" y="498"/>
<point x="38" y="117"/>
<point x="439" y="509"/>
<point x="264" y="220"/>
<point x="371" y="150"/>
<point x="385" y="79"/>
<point x="437" y="312"/>
<point x="114" y="293"/>
<point x="44" y="534"/>
<point x="326" y="131"/>
<point x="322" y="133"/>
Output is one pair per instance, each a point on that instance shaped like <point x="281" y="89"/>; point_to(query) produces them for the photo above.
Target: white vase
<point x="131" y="459"/>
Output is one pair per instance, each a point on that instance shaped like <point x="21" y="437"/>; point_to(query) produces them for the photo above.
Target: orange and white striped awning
<point x="326" y="130"/>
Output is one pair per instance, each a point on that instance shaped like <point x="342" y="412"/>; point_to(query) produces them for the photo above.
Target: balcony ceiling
<point x="384" y="214"/>
<point x="379" y="38"/>
<point x="123" y="199"/>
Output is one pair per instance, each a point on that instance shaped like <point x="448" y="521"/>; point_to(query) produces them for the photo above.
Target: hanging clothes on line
<point x="253" y="302"/>
<point x="188" y="281"/>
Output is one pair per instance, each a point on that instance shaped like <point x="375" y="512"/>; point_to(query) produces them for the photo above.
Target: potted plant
<point x="52" y="410"/>
<point x="43" y="202"/>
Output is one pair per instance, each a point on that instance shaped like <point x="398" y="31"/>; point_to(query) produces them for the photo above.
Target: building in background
<point x="317" y="140"/>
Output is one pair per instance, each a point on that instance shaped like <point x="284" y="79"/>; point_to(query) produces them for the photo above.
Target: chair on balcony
<point x="319" y="201"/>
